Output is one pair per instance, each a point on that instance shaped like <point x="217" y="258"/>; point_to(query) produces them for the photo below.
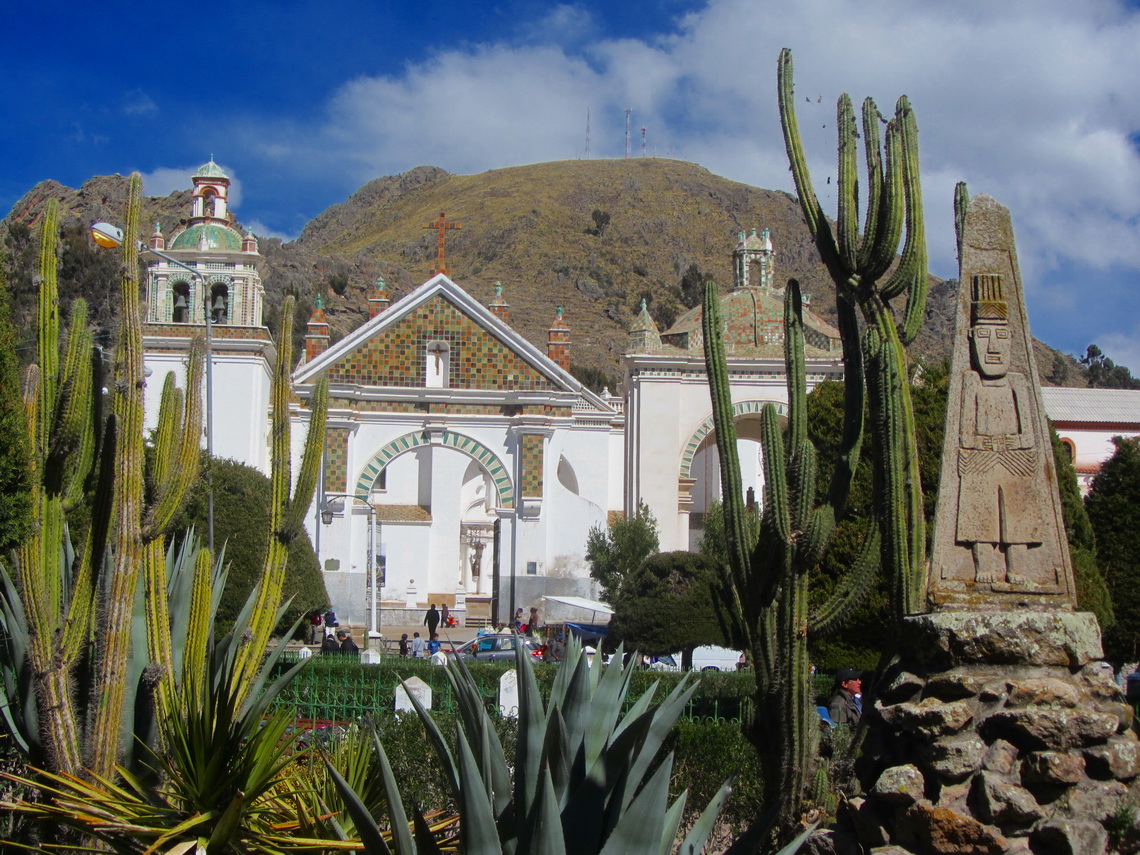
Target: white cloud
<point x="1031" y="101"/>
<point x="138" y="103"/>
<point x="263" y="231"/>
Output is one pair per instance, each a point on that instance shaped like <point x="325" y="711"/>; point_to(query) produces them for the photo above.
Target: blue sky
<point x="1036" y="102"/>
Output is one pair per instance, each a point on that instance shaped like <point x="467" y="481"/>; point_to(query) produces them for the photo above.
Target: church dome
<point x="208" y="236"/>
<point x="210" y="170"/>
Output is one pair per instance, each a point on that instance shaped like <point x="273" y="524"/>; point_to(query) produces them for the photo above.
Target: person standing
<point x="445" y="616"/>
<point x="329" y="645"/>
<point x="845" y="706"/>
<point x="433" y="645"/>
<point x="431" y="620"/>
<point x="404" y="645"/>
<point x="532" y="623"/>
<point x="418" y="646"/>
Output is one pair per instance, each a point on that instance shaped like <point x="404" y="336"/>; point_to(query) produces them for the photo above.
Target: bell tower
<point x="210" y="270"/>
<point x="227" y="264"/>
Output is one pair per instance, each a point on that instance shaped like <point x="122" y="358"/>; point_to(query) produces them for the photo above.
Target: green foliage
<point x="1092" y="592"/>
<point x="241" y="526"/>
<point x="1059" y="370"/>
<point x="593" y="378"/>
<point x="667" y="604"/>
<point x="15" y="474"/>
<point x="618" y="550"/>
<point x="601" y="222"/>
<point x="714" y="544"/>
<point x="337" y="283"/>
<point x="583" y="776"/>
<point x="692" y="286"/>
<point x="1113" y="507"/>
<point x="1101" y="372"/>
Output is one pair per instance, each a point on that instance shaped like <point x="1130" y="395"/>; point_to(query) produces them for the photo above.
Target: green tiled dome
<point x="210" y="170"/>
<point x="217" y="237"/>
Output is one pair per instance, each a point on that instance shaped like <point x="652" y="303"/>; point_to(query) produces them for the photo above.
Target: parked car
<point x="500" y="646"/>
<point x="707" y="658"/>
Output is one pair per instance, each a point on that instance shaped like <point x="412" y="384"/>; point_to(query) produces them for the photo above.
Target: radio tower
<point x="643" y="142"/>
<point x="628" y="113"/>
<point x="587" y="133"/>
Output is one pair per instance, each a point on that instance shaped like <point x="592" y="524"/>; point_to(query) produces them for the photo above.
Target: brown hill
<point x="594" y="236"/>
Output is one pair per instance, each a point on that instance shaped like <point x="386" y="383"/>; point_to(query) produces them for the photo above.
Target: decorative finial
<point x="559" y="312"/>
<point x="644" y="305"/>
<point x="381" y="285"/>
<point x="157" y="227"/>
<point x="320" y="302"/>
<point x="498" y="289"/>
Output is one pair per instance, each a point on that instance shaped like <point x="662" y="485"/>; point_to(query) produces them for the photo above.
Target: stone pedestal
<point x="996" y="732"/>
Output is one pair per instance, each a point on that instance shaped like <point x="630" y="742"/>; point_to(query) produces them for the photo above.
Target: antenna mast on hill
<point x="587" y="133"/>
<point x="643" y="142"/>
<point x="628" y="112"/>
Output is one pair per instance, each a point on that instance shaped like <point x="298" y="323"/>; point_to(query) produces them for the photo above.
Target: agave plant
<point x="584" y="777"/>
<point x="210" y="789"/>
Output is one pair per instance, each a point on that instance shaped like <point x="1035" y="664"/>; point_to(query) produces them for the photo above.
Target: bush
<point x="241" y="526"/>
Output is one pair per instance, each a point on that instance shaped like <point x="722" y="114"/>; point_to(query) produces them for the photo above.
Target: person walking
<point x="431" y="620"/>
<point x="445" y="616"/>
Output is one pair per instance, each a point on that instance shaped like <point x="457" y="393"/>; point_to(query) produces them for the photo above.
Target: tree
<point x="669" y="603"/>
<point x="1092" y="592"/>
<point x="241" y="523"/>
<point x="1103" y="373"/>
<point x="1113" y="508"/>
<point x="617" y="551"/>
<point x="601" y="221"/>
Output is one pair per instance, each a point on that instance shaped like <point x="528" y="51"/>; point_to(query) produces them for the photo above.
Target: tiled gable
<point x="396" y="355"/>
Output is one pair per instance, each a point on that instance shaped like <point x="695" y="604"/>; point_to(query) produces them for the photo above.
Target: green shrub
<point x="241" y="525"/>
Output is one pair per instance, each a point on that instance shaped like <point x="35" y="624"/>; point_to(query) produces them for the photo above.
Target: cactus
<point x="861" y="269"/>
<point x="287" y="512"/>
<point x="767" y="585"/>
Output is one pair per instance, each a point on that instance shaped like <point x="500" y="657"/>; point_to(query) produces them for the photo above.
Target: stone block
<point x="412" y="687"/>
<point x="1095" y="800"/>
<point x="943" y="640"/>
<point x="1052" y="767"/>
<point x="1119" y="758"/>
<point x="954" y="685"/>
<point x="899" y="785"/>
<point x="1000" y="757"/>
<point x="1003" y="803"/>
<point x="1069" y="837"/>
<point x="1044" y="691"/>
<point x="955" y="758"/>
<point x="1039" y="728"/>
<point x="945" y="832"/>
<point x="930" y="717"/>
<point x="903" y="686"/>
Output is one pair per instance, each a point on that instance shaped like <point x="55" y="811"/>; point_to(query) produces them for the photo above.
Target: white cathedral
<point x="464" y="464"/>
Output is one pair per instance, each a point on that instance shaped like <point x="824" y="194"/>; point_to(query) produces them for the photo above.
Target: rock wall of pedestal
<point x="1016" y="740"/>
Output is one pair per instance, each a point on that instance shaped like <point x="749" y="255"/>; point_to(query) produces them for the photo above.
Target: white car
<point x="707" y="658"/>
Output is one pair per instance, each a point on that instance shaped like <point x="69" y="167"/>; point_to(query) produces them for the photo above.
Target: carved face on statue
<point x="989" y="348"/>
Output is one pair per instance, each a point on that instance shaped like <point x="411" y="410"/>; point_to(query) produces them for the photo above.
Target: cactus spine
<point x="860" y="268"/>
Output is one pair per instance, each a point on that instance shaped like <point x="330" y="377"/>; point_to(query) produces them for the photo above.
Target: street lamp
<point x="110" y="236"/>
<point x="332" y="505"/>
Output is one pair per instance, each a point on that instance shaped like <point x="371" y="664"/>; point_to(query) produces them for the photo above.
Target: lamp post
<point x="328" y="510"/>
<point x="110" y="236"/>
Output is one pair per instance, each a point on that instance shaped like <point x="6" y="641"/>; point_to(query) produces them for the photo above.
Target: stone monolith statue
<point x="997" y="729"/>
<point x="999" y="539"/>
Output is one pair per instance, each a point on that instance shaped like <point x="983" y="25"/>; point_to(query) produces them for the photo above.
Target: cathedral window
<point x="438" y="359"/>
<point x="380" y="485"/>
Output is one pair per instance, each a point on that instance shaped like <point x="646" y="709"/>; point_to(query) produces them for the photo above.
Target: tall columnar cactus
<point x="49" y="607"/>
<point x="57" y="594"/>
<point x="866" y="276"/>
<point x="287" y="512"/>
<point x="767" y="590"/>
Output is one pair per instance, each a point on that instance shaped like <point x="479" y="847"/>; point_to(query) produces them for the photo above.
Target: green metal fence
<point x="339" y="690"/>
